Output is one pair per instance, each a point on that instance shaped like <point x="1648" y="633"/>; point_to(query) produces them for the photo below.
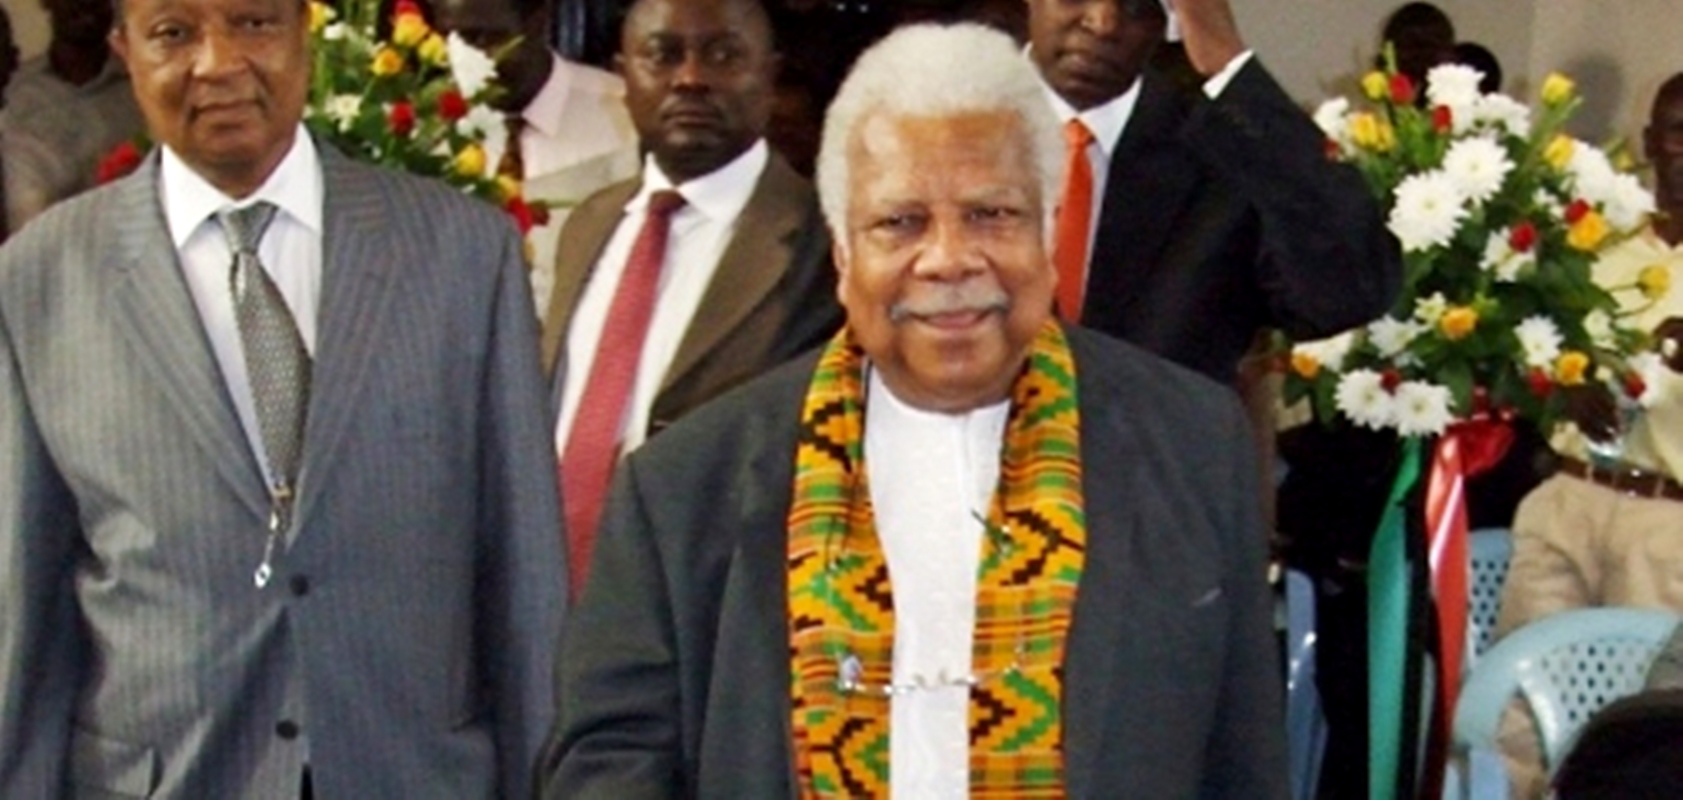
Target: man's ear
<point x="838" y="256"/>
<point x="119" y="45"/>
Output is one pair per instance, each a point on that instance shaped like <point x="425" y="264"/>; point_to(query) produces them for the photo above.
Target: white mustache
<point x="966" y="298"/>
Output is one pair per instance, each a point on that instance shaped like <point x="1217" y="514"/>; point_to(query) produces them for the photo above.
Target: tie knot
<point x="664" y="202"/>
<point x="244" y="227"/>
<point x="1076" y="134"/>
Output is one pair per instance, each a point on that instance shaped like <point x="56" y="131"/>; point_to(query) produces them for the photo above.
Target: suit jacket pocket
<point x="101" y="767"/>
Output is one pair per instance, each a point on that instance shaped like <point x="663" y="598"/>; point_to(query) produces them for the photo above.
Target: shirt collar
<point x="719" y="195"/>
<point x="295" y="187"/>
<point x="545" y="111"/>
<point x="1106" y="121"/>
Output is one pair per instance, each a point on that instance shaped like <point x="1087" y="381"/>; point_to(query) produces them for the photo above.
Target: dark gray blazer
<point x="674" y="679"/>
<point x="409" y="629"/>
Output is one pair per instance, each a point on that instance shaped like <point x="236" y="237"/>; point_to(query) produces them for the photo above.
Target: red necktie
<point x="587" y="462"/>
<point x="1075" y="216"/>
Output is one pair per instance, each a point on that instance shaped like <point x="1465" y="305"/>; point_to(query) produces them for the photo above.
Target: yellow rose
<point x="409" y="30"/>
<point x="1559" y="151"/>
<point x="1557" y="89"/>
<point x="320" y="15"/>
<point x="433" y="50"/>
<point x="1654" y="281"/>
<point x="1369" y="132"/>
<point x="470" y="161"/>
<point x="1570" y="367"/>
<point x="508" y="187"/>
<point x="1457" y="322"/>
<point x="1305" y="365"/>
<point x="1376" y="86"/>
<point x="387" y="62"/>
<point x="1586" y="234"/>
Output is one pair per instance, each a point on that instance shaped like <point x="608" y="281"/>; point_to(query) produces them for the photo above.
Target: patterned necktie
<point x="1074" y="223"/>
<point x="587" y="462"/>
<point x="513" y="162"/>
<point x="277" y="364"/>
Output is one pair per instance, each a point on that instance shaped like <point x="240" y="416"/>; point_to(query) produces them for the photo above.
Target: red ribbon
<point x="1466" y="449"/>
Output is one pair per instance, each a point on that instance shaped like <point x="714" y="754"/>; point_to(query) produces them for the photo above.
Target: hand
<point x="1668" y="340"/>
<point x="1592" y="407"/>
<point x="1210" y="33"/>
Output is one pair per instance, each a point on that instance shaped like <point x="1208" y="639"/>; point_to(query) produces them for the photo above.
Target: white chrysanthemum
<point x="1421" y="408"/>
<point x="1328" y="352"/>
<point x="1391" y="336"/>
<point x="1628" y="203"/>
<point x="470" y="66"/>
<point x="1599" y="326"/>
<point x="1453" y="85"/>
<point x="481" y="122"/>
<point x="334" y="32"/>
<point x="1500" y="258"/>
<point x="1503" y="112"/>
<point x="1477" y="165"/>
<point x="1333" y="118"/>
<point x="1540" y="340"/>
<point x="1428" y="211"/>
<point x="1593" y="176"/>
<point x="343" y="110"/>
<point x="1361" y="396"/>
<point x="1430" y="309"/>
<point x="1551" y="204"/>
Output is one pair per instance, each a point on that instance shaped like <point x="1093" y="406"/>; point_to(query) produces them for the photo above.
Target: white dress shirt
<point x="932" y="479"/>
<point x="291" y="251"/>
<point x="701" y="231"/>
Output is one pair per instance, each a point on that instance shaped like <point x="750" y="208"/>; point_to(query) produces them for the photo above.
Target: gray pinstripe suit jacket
<point x="410" y="627"/>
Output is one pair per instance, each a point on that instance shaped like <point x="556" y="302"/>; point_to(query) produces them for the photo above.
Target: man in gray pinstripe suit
<point x="401" y="643"/>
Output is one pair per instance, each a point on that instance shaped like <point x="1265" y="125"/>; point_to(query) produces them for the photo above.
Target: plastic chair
<point x="1566" y="667"/>
<point x="1306" y="726"/>
<point x="1489" y="550"/>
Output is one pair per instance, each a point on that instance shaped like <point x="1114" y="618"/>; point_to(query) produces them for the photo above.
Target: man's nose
<point x="950" y="252"/>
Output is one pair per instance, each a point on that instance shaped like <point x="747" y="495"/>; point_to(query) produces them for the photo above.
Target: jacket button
<point x="300" y="585"/>
<point x="286" y="729"/>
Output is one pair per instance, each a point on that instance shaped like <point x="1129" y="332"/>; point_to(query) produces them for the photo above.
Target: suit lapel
<point x="582" y="240"/>
<point x="753" y="263"/>
<point x="1132" y="235"/>
<point x="359" y="270"/>
<point x="153" y="306"/>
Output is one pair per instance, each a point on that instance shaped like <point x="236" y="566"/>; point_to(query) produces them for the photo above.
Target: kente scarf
<point x="841" y="608"/>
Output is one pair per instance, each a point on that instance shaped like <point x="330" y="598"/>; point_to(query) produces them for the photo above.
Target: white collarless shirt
<point x="932" y="478"/>
<point x="701" y="231"/>
<point x="291" y="252"/>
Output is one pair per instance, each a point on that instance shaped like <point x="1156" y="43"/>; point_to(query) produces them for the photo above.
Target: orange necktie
<point x="1074" y="220"/>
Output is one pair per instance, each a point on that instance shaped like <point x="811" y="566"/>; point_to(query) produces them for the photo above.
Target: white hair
<point x="924" y="71"/>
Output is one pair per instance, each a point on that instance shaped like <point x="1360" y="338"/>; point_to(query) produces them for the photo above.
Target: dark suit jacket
<point x="410" y="627"/>
<point x="1224" y="217"/>
<point x="674" y="678"/>
<point x="772" y="297"/>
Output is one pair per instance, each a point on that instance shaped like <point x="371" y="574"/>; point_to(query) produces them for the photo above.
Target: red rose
<point x="406" y="7"/>
<point x="1634" y="385"/>
<point x="1539" y="382"/>
<point x="1390" y="379"/>
<point x="1332" y="150"/>
<point x="1522" y="237"/>
<point x="1576" y="211"/>
<point x="522" y="213"/>
<point x="1443" y="120"/>
<point x="119" y="162"/>
<point x="1402" y="90"/>
<point x="540" y="215"/>
<point x="452" y="106"/>
<point x="401" y="118"/>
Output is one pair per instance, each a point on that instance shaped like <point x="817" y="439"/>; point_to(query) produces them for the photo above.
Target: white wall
<point x="29" y="25"/>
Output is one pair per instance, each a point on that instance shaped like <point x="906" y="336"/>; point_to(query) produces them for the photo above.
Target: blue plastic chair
<point x="1489" y="550"/>
<point x="1566" y="667"/>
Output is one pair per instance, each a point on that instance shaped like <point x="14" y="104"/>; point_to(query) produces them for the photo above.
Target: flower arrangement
<point x="1500" y="216"/>
<point x="413" y="99"/>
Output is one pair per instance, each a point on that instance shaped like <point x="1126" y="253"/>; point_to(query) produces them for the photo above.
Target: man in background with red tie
<point x="1210" y="212"/>
<point x="710" y="267"/>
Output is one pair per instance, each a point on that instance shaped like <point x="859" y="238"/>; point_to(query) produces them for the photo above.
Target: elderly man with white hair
<point x="964" y="550"/>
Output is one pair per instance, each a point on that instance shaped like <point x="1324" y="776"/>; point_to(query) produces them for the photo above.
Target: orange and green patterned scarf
<point x="841" y="608"/>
